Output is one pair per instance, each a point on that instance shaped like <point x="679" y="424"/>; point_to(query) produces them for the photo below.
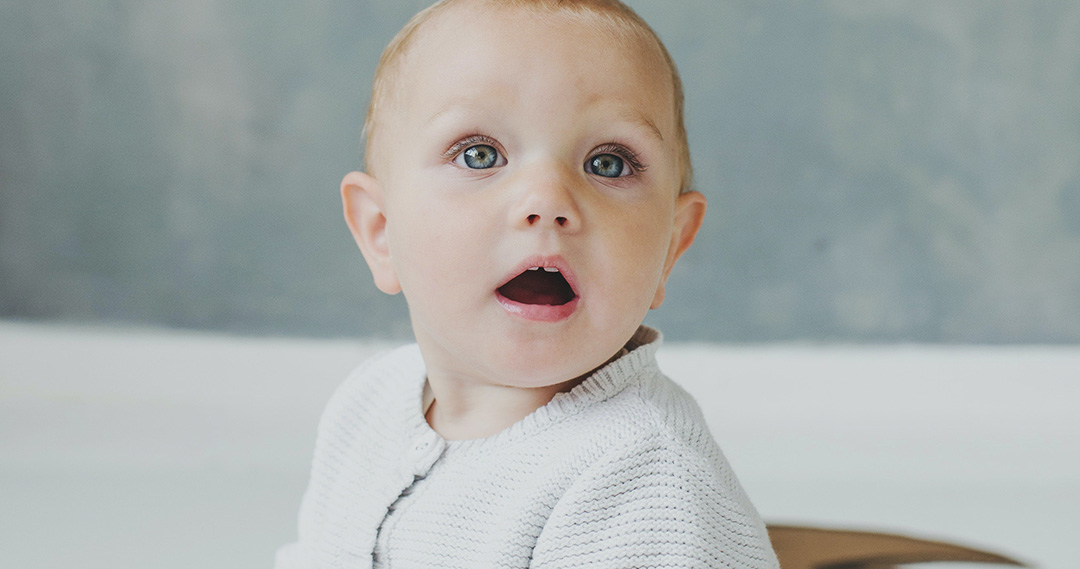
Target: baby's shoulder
<point x="655" y="417"/>
<point x="657" y="479"/>
<point x="375" y="385"/>
<point x="661" y="409"/>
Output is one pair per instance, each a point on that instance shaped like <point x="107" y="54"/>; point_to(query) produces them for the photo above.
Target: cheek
<point x="432" y="245"/>
<point x="635" y="253"/>
<point x="647" y="234"/>
<point x="414" y="248"/>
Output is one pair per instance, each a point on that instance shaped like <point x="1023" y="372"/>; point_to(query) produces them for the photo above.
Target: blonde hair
<point x="613" y="13"/>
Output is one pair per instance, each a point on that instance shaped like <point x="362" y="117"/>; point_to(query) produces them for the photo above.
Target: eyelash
<point x="623" y="152"/>
<point x="471" y="140"/>
<point x="615" y="148"/>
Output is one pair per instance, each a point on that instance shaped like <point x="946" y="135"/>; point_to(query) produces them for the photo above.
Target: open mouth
<point x="536" y="285"/>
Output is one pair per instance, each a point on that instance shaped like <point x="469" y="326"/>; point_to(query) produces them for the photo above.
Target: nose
<point x="534" y="218"/>
<point x="547" y="201"/>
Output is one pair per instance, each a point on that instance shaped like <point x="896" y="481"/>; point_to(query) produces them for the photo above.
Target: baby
<point x="527" y="189"/>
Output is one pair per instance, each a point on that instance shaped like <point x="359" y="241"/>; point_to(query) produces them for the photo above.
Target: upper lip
<point x="544" y="262"/>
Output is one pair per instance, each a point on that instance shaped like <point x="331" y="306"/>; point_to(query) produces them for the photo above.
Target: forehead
<point x="482" y="49"/>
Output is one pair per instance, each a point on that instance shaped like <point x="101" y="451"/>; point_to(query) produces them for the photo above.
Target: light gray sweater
<point x="619" y="472"/>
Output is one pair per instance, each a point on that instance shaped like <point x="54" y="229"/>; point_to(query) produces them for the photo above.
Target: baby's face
<point x="530" y="185"/>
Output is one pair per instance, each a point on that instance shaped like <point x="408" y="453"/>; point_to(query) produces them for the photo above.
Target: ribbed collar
<point x="638" y="363"/>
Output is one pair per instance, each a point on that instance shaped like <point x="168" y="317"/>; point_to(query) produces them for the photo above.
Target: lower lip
<point x="538" y="312"/>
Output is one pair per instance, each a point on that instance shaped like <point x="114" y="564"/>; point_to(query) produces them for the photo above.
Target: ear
<point x="365" y="214"/>
<point x="689" y="214"/>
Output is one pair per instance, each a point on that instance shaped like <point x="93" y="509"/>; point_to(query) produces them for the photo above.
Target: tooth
<point x="551" y="269"/>
<point x="533" y="268"/>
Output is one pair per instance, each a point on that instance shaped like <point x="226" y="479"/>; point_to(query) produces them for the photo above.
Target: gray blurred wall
<point x="877" y="171"/>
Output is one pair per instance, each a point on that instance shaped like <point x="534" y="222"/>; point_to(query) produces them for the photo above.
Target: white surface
<point x="155" y="449"/>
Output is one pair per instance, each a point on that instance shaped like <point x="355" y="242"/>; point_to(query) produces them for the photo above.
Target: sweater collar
<point x="637" y="363"/>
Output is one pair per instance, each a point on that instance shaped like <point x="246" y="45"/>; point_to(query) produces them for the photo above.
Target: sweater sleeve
<point x="655" y="503"/>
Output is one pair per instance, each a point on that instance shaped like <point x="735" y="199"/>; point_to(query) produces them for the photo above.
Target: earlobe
<point x="365" y="214"/>
<point x="689" y="215"/>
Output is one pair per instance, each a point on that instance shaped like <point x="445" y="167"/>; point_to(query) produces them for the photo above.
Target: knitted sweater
<point x="621" y="471"/>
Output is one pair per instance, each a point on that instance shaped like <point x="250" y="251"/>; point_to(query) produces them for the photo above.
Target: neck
<point x="464" y="409"/>
<point x="477" y="411"/>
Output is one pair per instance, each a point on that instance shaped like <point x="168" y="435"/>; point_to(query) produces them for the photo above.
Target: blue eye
<point x="480" y="157"/>
<point x="607" y="165"/>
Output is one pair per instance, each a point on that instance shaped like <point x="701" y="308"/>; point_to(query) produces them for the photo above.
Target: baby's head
<point x="527" y="184"/>
<point x="611" y="18"/>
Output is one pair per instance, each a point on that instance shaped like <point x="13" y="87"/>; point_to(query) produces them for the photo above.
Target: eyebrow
<point x="642" y="120"/>
<point x="452" y="106"/>
<point x="627" y="114"/>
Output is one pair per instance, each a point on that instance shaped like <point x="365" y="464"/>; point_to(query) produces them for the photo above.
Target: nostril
<point x="533" y="218"/>
<point x="560" y="220"/>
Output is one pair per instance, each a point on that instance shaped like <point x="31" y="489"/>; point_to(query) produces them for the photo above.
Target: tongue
<point x="538" y="287"/>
